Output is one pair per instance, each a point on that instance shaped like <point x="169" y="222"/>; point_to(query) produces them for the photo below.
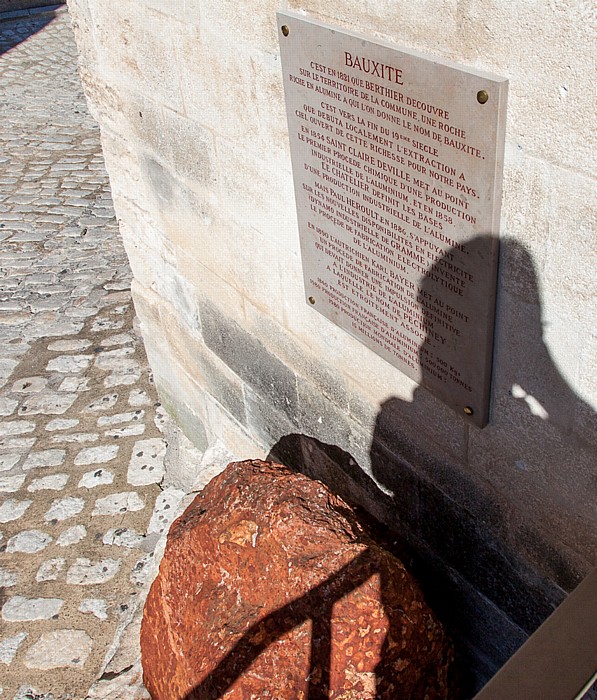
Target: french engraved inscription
<point x="397" y="162"/>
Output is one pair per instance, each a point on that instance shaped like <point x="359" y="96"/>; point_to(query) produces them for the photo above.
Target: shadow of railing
<point x="316" y="607"/>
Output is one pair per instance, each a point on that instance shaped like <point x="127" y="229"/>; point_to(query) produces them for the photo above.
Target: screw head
<point x="468" y="410"/>
<point x="482" y="97"/>
<point x="311" y="300"/>
<point x="285" y="30"/>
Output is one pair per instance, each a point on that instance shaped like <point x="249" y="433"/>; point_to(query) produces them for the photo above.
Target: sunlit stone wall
<point x="189" y="97"/>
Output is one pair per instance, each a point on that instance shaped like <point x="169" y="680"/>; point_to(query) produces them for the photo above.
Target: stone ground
<point x="81" y="441"/>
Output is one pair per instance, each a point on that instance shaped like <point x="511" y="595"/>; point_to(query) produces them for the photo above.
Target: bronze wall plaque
<point x="397" y="161"/>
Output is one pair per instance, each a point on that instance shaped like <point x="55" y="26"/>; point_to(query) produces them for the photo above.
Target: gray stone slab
<point x="397" y="160"/>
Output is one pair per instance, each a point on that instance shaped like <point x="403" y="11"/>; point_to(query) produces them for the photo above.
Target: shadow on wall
<point x="495" y="535"/>
<point x="14" y="31"/>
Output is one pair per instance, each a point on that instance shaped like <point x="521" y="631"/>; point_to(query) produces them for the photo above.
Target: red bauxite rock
<point x="269" y="588"/>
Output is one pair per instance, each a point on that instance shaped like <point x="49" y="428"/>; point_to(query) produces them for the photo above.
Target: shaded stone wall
<point x="190" y="101"/>
<point x="14" y="5"/>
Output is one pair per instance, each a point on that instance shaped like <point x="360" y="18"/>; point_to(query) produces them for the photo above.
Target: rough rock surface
<point x="269" y="588"/>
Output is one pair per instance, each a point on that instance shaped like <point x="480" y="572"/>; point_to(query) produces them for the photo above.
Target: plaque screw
<point x="468" y="410"/>
<point x="285" y="30"/>
<point x="311" y="300"/>
<point x="482" y="97"/>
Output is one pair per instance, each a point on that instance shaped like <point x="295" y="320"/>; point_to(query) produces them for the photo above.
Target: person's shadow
<point x="507" y="511"/>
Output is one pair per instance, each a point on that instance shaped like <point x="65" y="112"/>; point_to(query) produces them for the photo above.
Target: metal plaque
<point x="397" y="161"/>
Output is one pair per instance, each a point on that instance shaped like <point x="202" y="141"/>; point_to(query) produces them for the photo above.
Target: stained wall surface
<point x="190" y="101"/>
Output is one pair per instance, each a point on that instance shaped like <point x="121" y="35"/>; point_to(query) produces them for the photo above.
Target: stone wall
<point x="189" y="97"/>
<point x="16" y="5"/>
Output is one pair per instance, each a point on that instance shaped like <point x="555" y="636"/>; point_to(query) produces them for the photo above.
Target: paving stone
<point x="96" y="455"/>
<point x="76" y="384"/>
<point x="53" y="482"/>
<point x="165" y="510"/>
<point x="62" y="424"/>
<point x="10" y="484"/>
<point x="7" y="406"/>
<point x="118" y="503"/>
<point x="69" y="345"/>
<point x="146" y="465"/>
<point x="50" y="569"/>
<point x="98" y="477"/>
<point x="106" y="324"/>
<point x="8" y="578"/>
<point x="85" y="573"/>
<point x="9" y="647"/>
<point x="76" y="437"/>
<point x="72" y="535"/>
<point x="48" y="404"/>
<point x="104" y="421"/>
<point x="29" y="385"/>
<point x="20" y="609"/>
<point x="119" y="339"/>
<point x="138" y="397"/>
<point x="7" y="366"/>
<point x="96" y="606"/>
<point x="59" y="649"/>
<point x="17" y="444"/>
<point x="69" y="363"/>
<point x="28" y="542"/>
<point x="64" y="508"/>
<point x="105" y="403"/>
<point x="61" y="256"/>
<point x="44" y="458"/>
<point x="123" y="537"/>
<point x="126" y="431"/>
<point x="122" y="378"/>
<point x="7" y="462"/>
<point x="16" y="427"/>
<point x="12" y="509"/>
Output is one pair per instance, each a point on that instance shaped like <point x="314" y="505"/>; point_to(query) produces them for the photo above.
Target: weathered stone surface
<point x="269" y="587"/>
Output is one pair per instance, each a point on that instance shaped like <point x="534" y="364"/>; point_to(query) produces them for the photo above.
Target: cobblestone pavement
<point x="81" y="448"/>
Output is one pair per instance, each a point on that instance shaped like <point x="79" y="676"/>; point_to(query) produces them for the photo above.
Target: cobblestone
<point x="76" y="394"/>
